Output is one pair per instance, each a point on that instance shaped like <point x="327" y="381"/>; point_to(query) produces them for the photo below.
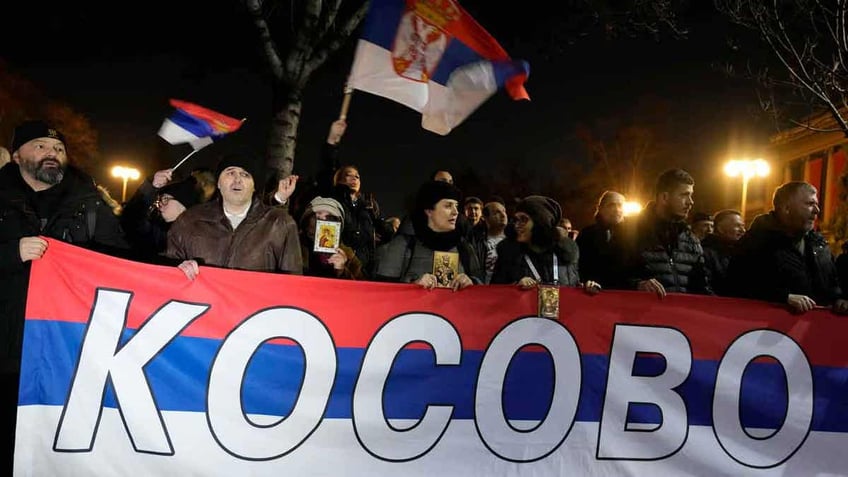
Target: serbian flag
<point x="196" y="125"/>
<point x="431" y="56"/>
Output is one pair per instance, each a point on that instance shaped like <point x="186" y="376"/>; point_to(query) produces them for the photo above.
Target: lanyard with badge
<point x="548" y="293"/>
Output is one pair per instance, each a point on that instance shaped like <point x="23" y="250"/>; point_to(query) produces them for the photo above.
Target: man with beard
<point x="41" y="194"/>
<point x="783" y="260"/>
<point x="662" y="255"/>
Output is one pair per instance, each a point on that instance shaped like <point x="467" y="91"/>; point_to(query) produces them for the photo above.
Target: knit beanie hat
<point x="29" y="130"/>
<point x="323" y="204"/>
<point x="186" y="192"/>
<point x="543" y="210"/>
<point x="432" y="192"/>
<point x="243" y="160"/>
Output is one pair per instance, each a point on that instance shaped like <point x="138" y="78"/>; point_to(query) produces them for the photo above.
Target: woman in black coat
<point x="540" y="253"/>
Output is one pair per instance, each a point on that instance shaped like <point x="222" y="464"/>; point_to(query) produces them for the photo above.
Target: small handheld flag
<point x="195" y="125"/>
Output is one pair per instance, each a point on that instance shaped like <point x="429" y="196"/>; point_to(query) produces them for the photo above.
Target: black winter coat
<point x="600" y="257"/>
<point x="511" y="265"/>
<point x="769" y="267"/>
<point x="72" y="211"/>
<point x="666" y="251"/>
<point x="717" y="254"/>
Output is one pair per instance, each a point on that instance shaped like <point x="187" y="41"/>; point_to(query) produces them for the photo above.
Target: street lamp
<point x="125" y="173"/>
<point x="632" y="208"/>
<point x="747" y="169"/>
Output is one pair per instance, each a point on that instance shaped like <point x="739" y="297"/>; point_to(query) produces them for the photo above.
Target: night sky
<point x="120" y="69"/>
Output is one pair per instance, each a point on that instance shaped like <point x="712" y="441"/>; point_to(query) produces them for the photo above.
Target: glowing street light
<point x="125" y="173"/>
<point x="747" y="169"/>
<point x="632" y="208"/>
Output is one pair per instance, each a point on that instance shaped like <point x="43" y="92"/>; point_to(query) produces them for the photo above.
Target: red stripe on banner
<point x="63" y="284"/>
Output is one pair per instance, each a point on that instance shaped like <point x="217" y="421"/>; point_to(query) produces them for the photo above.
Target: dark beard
<point x="47" y="175"/>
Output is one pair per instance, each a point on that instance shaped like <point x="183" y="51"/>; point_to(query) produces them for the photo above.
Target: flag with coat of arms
<point x="433" y="57"/>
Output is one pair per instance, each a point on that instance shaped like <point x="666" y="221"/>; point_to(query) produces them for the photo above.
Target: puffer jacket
<point x="265" y="241"/>
<point x="768" y="265"/>
<point x="666" y="251"/>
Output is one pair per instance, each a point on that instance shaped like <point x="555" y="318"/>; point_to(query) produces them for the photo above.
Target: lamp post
<point x="747" y="169"/>
<point x="632" y="208"/>
<point x="125" y="173"/>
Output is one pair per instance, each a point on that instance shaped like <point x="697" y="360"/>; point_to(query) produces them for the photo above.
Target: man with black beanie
<point x="236" y="230"/>
<point x="41" y="195"/>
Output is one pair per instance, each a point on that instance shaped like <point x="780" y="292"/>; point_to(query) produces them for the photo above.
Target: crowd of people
<point x="219" y="218"/>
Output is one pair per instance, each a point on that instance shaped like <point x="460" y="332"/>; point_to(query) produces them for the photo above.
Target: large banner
<point x="131" y="369"/>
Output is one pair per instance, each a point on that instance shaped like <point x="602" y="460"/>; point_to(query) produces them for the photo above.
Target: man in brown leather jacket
<point x="236" y="230"/>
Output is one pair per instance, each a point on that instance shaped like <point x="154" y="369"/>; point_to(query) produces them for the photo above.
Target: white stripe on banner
<point x="328" y="451"/>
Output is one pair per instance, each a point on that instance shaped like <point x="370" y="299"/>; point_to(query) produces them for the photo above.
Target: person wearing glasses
<point x="539" y="253"/>
<point x="153" y="208"/>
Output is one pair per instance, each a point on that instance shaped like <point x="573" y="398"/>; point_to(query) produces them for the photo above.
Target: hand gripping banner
<point x="131" y="369"/>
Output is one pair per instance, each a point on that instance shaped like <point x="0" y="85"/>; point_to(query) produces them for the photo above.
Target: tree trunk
<point x="282" y="137"/>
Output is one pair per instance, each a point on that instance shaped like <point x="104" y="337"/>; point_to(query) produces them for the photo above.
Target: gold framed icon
<point x="445" y="268"/>
<point x="327" y="236"/>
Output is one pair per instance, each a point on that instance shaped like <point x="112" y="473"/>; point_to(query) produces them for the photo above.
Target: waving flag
<point x="196" y="125"/>
<point x="431" y="56"/>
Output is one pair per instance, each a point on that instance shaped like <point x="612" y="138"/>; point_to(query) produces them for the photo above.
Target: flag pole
<point x="183" y="160"/>
<point x="348" y="92"/>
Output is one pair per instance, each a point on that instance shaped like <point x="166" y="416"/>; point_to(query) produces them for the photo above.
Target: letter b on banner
<point x="615" y="440"/>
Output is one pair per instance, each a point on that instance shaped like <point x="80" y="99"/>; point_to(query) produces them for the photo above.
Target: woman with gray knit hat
<point x="425" y="257"/>
<point x="539" y="253"/>
<point x="342" y="263"/>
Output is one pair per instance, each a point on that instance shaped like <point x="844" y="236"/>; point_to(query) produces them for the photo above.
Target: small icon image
<point x="327" y="236"/>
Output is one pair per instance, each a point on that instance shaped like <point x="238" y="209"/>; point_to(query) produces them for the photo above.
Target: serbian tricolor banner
<point x="132" y="369"/>
<point x="431" y="56"/>
<point x="196" y="125"/>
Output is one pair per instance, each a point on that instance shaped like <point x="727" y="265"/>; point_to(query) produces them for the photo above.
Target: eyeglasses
<point x="162" y="201"/>
<point x="521" y="219"/>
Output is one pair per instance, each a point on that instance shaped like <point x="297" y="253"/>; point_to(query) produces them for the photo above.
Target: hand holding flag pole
<point x="348" y="92"/>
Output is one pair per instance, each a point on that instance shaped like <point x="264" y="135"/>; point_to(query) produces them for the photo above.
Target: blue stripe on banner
<point x="179" y="375"/>
<point x="191" y="124"/>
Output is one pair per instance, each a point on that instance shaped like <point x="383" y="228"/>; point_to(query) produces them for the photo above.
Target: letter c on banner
<point x="777" y="448"/>
<point x="227" y="421"/>
<point x="497" y="433"/>
<point x="375" y="434"/>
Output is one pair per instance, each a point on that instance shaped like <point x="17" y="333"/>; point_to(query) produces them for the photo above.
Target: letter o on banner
<point x="227" y="421"/>
<point x="778" y="447"/>
<point x="497" y="434"/>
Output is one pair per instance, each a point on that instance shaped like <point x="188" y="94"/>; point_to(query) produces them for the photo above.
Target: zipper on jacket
<point x="674" y="272"/>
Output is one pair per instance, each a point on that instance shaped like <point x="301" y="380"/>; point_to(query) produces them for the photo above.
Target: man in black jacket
<point x="40" y="195"/>
<point x="599" y="261"/>
<point x="783" y="260"/>
<point x="661" y="253"/>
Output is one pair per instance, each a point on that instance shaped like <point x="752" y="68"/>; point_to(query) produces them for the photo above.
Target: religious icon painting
<point x="445" y="268"/>
<point x="327" y="236"/>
